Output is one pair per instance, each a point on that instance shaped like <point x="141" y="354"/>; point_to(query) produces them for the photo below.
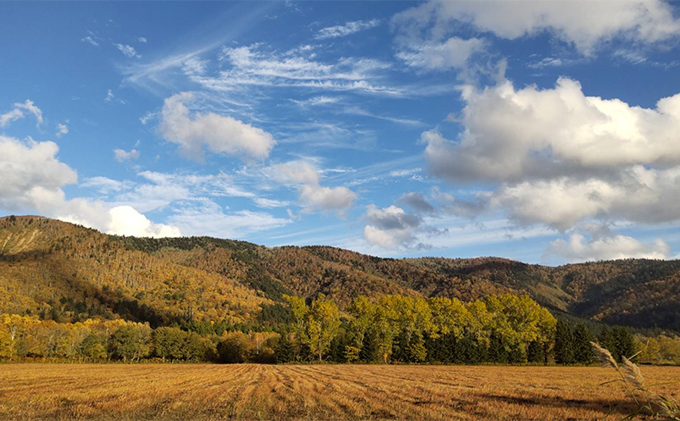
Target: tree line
<point x="390" y="329"/>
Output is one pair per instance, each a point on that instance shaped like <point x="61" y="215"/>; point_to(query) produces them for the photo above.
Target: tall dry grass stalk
<point x="648" y="402"/>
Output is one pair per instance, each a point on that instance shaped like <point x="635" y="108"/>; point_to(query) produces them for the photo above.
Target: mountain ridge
<point x="63" y="271"/>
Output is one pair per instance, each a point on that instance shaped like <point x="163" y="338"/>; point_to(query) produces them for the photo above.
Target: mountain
<point x="67" y="272"/>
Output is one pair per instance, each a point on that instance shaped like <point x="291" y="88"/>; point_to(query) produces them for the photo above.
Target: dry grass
<point x="180" y="392"/>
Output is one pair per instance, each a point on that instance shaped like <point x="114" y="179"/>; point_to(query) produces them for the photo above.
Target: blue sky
<point x="547" y="132"/>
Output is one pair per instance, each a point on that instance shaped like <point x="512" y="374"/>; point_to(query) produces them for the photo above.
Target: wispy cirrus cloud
<point x="19" y="111"/>
<point x="128" y="50"/>
<point x="346" y="29"/>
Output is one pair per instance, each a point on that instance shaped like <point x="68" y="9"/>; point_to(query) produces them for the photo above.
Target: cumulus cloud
<point x="578" y="248"/>
<point x="511" y="134"/>
<point x="128" y="51"/>
<point x="33" y="178"/>
<point x="346" y="29"/>
<point x="559" y="156"/>
<point x="306" y="178"/>
<point x="454" y="53"/>
<point x="327" y="199"/>
<point x="391" y="227"/>
<point x="194" y="132"/>
<point x="417" y="202"/>
<point x="19" y="111"/>
<point x="125" y="220"/>
<point x="122" y="155"/>
<point x="30" y="171"/>
<point x="583" y="24"/>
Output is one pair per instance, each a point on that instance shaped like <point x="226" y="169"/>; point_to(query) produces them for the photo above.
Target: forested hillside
<point x="63" y="272"/>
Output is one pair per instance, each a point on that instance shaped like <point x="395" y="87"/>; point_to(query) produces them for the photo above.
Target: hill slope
<point x="66" y="272"/>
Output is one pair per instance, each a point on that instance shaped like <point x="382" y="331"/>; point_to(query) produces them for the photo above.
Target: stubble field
<point x="338" y="392"/>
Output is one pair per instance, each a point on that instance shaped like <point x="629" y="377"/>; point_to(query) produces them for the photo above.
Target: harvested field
<point x="290" y="392"/>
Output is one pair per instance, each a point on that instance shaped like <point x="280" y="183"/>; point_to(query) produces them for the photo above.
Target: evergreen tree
<point x="625" y="343"/>
<point x="564" y="343"/>
<point x="284" y="351"/>
<point x="535" y="352"/>
<point x="338" y="348"/>
<point x="497" y="352"/>
<point x="608" y="341"/>
<point x="370" y="351"/>
<point x="583" y="350"/>
<point x="470" y="351"/>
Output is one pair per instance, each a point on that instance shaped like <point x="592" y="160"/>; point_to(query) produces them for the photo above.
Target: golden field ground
<point x="302" y="392"/>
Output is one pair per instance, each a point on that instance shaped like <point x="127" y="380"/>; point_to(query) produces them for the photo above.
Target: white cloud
<point x="306" y="177"/>
<point x="455" y="53"/>
<point x="125" y="220"/>
<point x="258" y="67"/>
<point x="327" y="199"/>
<point x="405" y="173"/>
<point x="391" y="227"/>
<point x="346" y="29"/>
<point x="584" y="24"/>
<point x="122" y="155"/>
<point x="316" y="101"/>
<point x="29" y="171"/>
<point x="19" y="111"/>
<point x="205" y="216"/>
<point x="637" y="194"/>
<point x="579" y="249"/>
<point x="33" y="178"/>
<point x="109" y="96"/>
<point x="514" y="133"/>
<point x="142" y="40"/>
<point x="162" y="189"/>
<point x="557" y="149"/>
<point x="105" y="185"/>
<point x="90" y="41"/>
<point x="62" y="129"/>
<point x="128" y="51"/>
<point x="263" y="202"/>
<point x="294" y="172"/>
<point x="355" y="110"/>
<point x="220" y="134"/>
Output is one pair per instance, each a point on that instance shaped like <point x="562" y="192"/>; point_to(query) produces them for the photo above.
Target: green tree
<point x="284" y="352"/>
<point x="535" y="352"/>
<point x="370" y="351"/>
<point x="669" y="349"/>
<point x="169" y="343"/>
<point x="235" y="347"/>
<point x="93" y="347"/>
<point x="564" y="343"/>
<point x="363" y="313"/>
<point x="650" y="351"/>
<point x="583" y="350"/>
<point x="625" y="343"/>
<point x="323" y="325"/>
<point x="130" y="342"/>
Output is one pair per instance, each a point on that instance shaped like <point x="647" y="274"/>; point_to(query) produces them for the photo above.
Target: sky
<point x="541" y="131"/>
